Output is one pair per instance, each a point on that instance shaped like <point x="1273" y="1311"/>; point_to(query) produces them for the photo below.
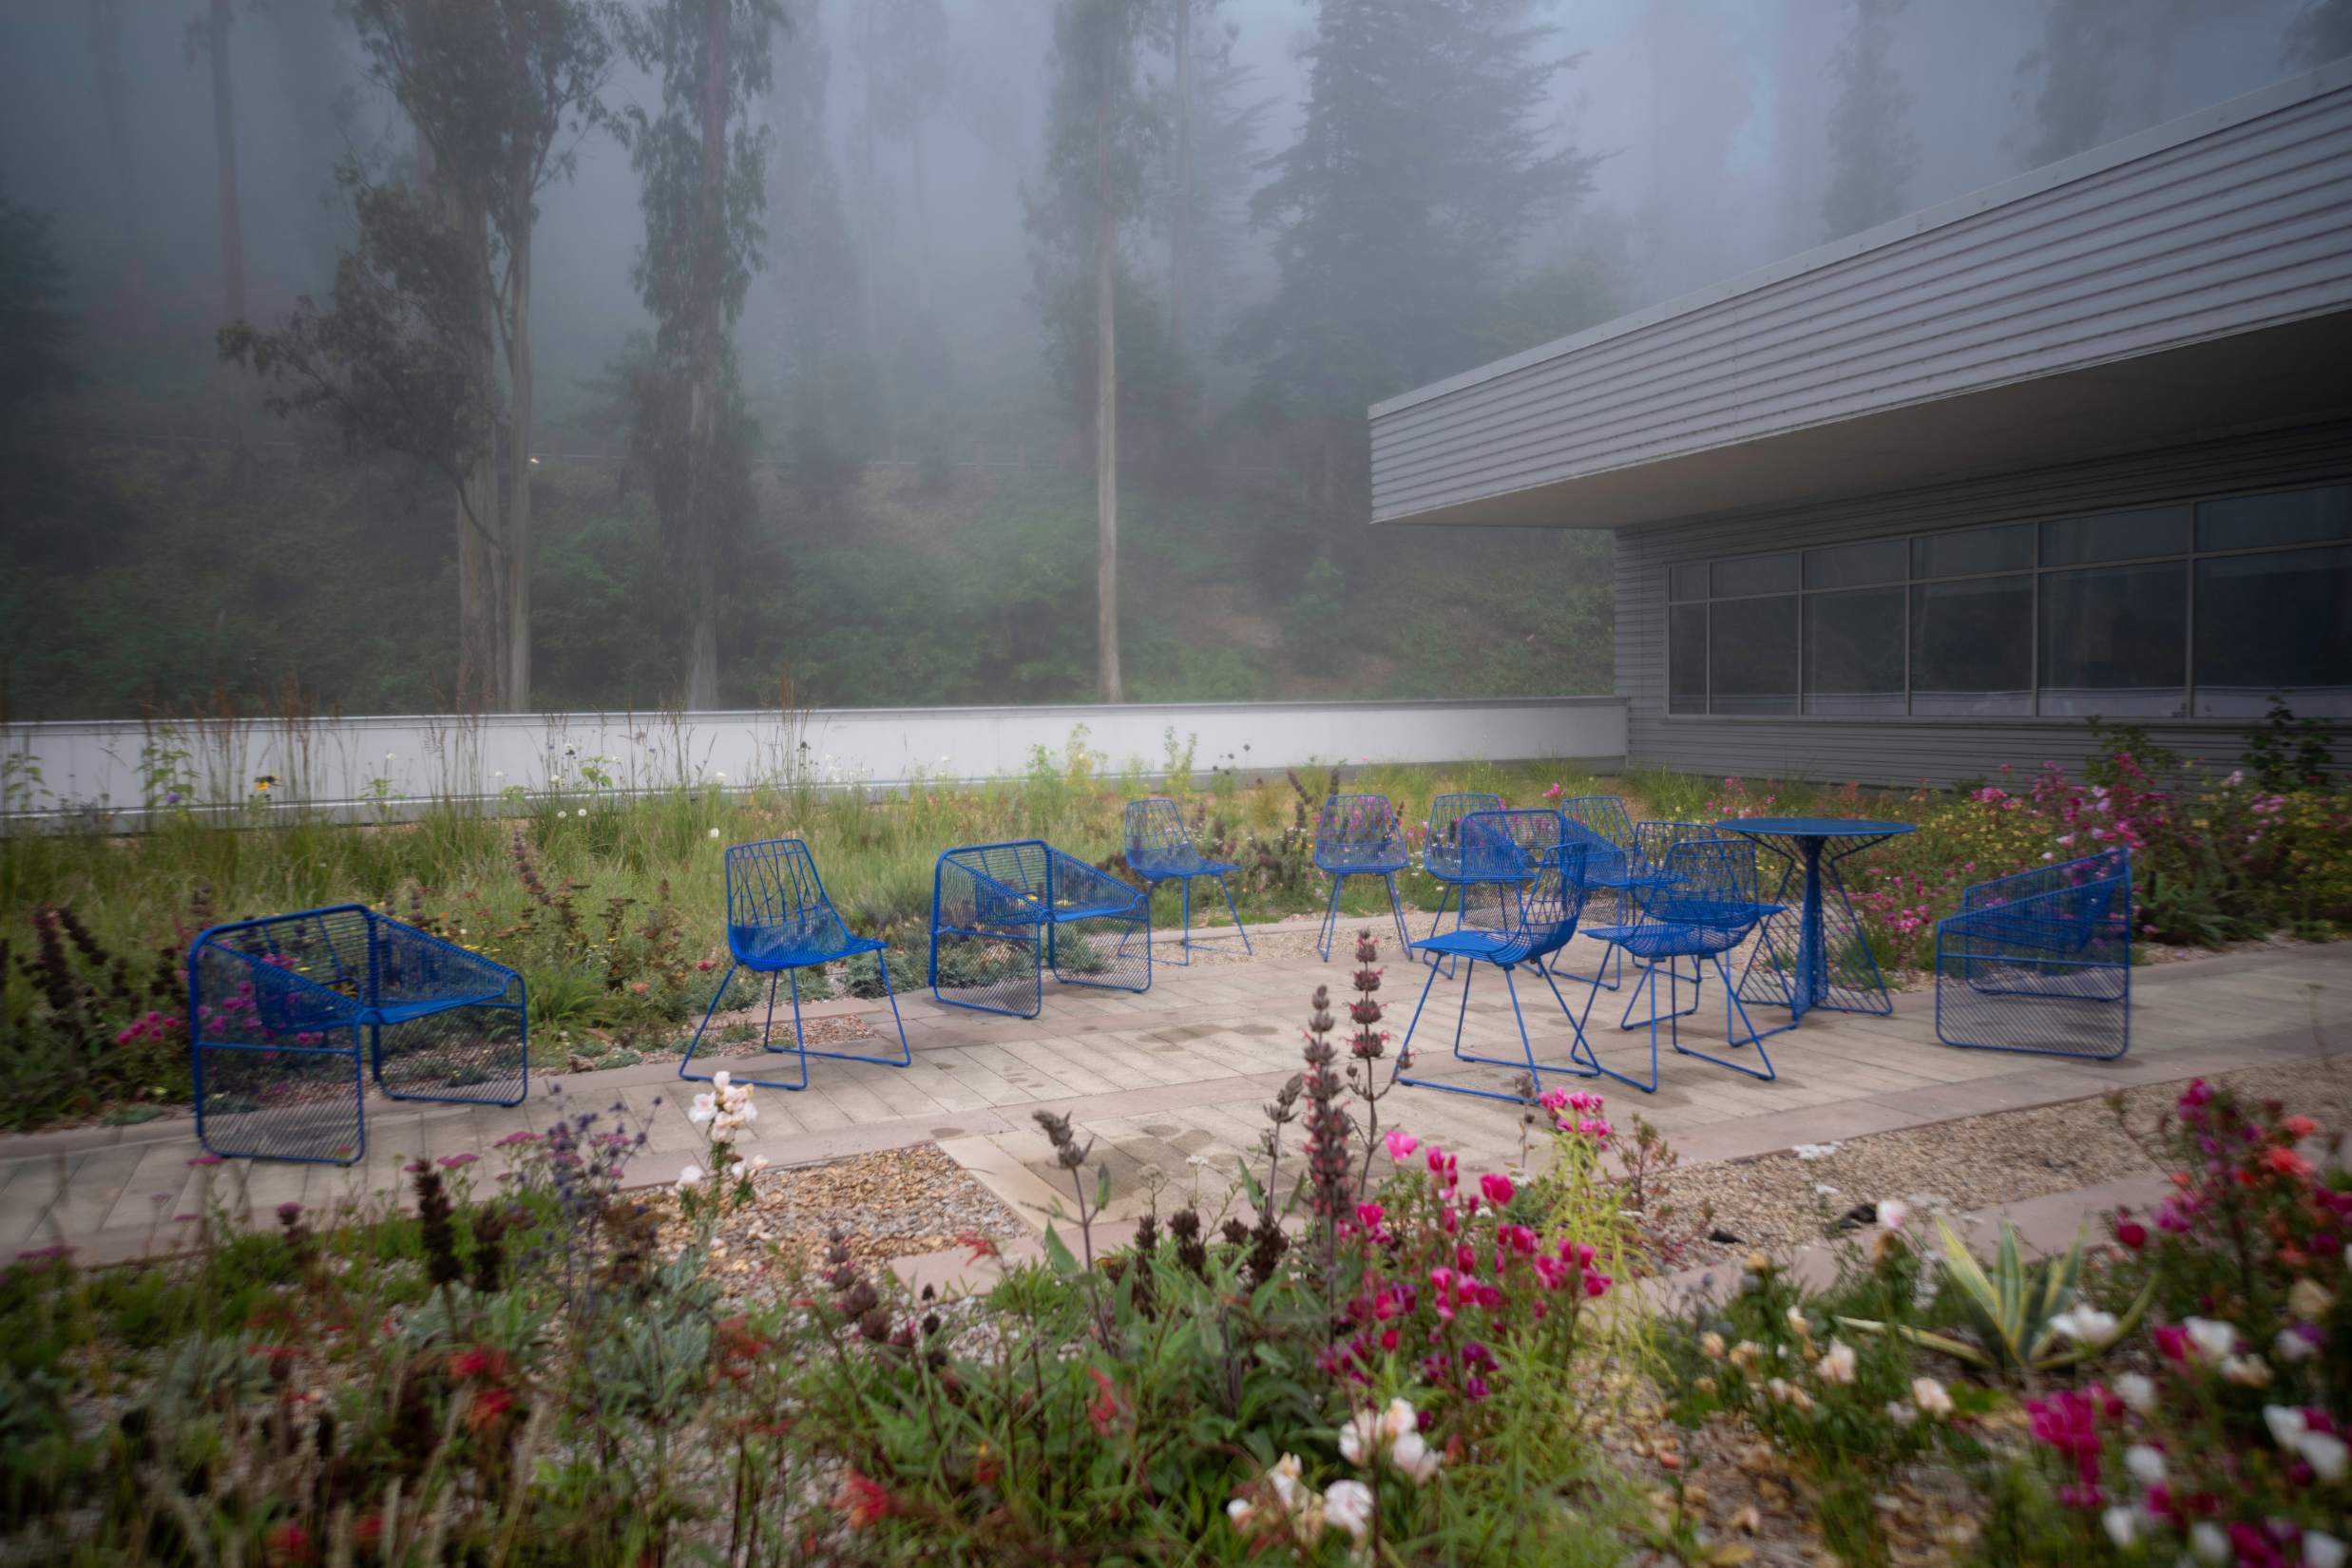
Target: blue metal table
<point x="1825" y="962"/>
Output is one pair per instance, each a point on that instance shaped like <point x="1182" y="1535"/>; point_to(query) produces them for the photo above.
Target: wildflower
<point x="714" y="832"/>
<point x="2286" y="1423"/>
<point x="1348" y="1505"/>
<point x="1497" y="1187"/>
<point x="2326" y="1453"/>
<point x="2297" y="1342"/>
<point x="2137" y="1391"/>
<point x="690" y="1177"/>
<point x="2122" y="1526"/>
<point x="2211" y="1339"/>
<point x="1899" y="1413"/>
<point x="862" y="1500"/>
<point x="721" y="777"/>
<point x="1401" y="1143"/>
<point x="2322" y="1550"/>
<point x="452" y="1163"/>
<point x="2245" y="1371"/>
<point x="2287" y="1163"/>
<point x="2308" y="1298"/>
<point x="2085" y="1325"/>
<point x="1933" y="1399"/>
<point x="1360" y="1438"/>
<point x="1414" y="1459"/>
<point x="1815" y="1151"/>
<point x="2131" y="1234"/>
<point x="1104" y="1409"/>
<point x="1838" y="1365"/>
<point x="2206" y="1539"/>
<point x="2144" y="1464"/>
<point x="1710" y="1345"/>
<point x="1893" y="1211"/>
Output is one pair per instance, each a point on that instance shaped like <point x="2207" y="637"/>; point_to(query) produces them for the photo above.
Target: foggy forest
<point x="403" y="357"/>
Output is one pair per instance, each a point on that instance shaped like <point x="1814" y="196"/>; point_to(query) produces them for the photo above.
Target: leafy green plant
<point x="2286" y="754"/>
<point x="2025" y="1316"/>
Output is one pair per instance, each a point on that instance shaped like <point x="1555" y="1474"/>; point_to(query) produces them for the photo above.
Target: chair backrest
<point x="1709" y="881"/>
<point x="2078" y="900"/>
<point x="1359" y="827"/>
<point x="1531" y="873"/>
<point x="268" y="981"/>
<point x="994" y="884"/>
<point x="775" y="883"/>
<point x="1155" y="829"/>
<point x="1602" y="814"/>
<point x="1441" y="847"/>
<point x="1654" y="841"/>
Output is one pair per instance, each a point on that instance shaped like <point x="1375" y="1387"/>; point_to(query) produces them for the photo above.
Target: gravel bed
<point x="1780" y="1202"/>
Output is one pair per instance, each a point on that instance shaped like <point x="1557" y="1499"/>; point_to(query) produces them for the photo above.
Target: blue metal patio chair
<point x="1609" y="868"/>
<point x="1524" y="890"/>
<point x="1002" y="914"/>
<point x="2041" y="961"/>
<point x="1160" y="849"/>
<point x="1360" y="835"/>
<point x="290" y="1015"/>
<point x="1441" y="853"/>
<point x="1702" y="904"/>
<point x="1645" y="866"/>
<point x="780" y="921"/>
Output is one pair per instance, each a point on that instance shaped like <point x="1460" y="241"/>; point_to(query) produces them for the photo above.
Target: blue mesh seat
<point x="1701" y="903"/>
<point x="1160" y="849"/>
<point x="2041" y="961"/>
<point x="1002" y="914"/>
<point x="1441" y="849"/>
<point x="1360" y="835"/>
<point x="289" y="1015"/>
<point x="1523" y="890"/>
<point x="780" y="921"/>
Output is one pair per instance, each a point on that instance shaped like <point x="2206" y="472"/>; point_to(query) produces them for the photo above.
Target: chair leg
<point x="1234" y="910"/>
<point x="1445" y="961"/>
<point x="1404" y="1051"/>
<point x="1646" y="984"/>
<point x="1734" y="1008"/>
<point x="1330" y="918"/>
<point x="1404" y="1047"/>
<point x="686" y="1061"/>
<point x="1396" y="910"/>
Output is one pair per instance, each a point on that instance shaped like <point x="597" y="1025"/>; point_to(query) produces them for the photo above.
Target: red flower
<point x="1497" y="1187"/>
<point x="2131" y="1234"/>
<point x="289" y="1543"/>
<point x="488" y="1407"/>
<point x="480" y="1361"/>
<point x="1105" y="1407"/>
<point x="2287" y="1163"/>
<point x="2299" y="1127"/>
<point x="862" y="1499"/>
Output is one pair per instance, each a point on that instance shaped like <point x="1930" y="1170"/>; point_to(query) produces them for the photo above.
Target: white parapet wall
<point x="118" y="772"/>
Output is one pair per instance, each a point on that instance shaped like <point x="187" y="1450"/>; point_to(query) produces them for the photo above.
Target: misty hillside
<point x="386" y="354"/>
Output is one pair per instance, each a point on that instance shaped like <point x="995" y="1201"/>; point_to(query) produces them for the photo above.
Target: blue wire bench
<point x="1702" y="902"/>
<point x="1360" y="835"/>
<point x="289" y="1015"/>
<point x="1001" y="915"/>
<point x="780" y="921"/>
<point x="1160" y="849"/>
<point x="1523" y="890"/>
<point x="2041" y="961"/>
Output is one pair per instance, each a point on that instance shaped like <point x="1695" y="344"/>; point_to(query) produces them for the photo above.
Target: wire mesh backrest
<point x="1499" y="851"/>
<point x="995" y="884"/>
<point x="1155" y="827"/>
<point x="1709" y="881"/>
<point x="265" y="982"/>
<point x="1443" y="849"/>
<point x="1654" y="841"/>
<point x="774" y="883"/>
<point x="1358" y="825"/>
<point x="2073" y="903"/>
<point x="1604" y="814"/>
<point x="1555" y="899"/>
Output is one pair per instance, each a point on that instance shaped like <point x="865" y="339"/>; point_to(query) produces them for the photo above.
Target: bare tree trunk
<point x="518" y="532"/>
<point x="482" y="562"/>
<point x="702" y="405"/>
<point x="1107" y="685"/>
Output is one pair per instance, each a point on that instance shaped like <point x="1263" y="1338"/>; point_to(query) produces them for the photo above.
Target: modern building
<point x="1925" y="500"/>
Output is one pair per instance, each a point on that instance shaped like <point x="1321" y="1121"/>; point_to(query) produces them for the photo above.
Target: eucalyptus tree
<point x="702" y="164"/>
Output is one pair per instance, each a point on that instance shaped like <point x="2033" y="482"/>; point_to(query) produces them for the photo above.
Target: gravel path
<point x="1782" y="1201"/>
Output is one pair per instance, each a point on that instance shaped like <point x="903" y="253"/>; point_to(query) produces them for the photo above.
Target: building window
<point x="2160" y="612"/>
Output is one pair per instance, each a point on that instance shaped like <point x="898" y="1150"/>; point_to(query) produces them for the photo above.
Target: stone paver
<point x="1176" y="1079"/>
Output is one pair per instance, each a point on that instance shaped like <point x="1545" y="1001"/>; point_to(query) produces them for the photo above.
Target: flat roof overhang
<point x="2279" y="376"/>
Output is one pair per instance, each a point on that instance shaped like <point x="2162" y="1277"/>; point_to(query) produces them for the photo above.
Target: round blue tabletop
<point x="1814" y="827"/>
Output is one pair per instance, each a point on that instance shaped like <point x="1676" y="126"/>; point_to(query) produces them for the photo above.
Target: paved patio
<point x="1184" y="1070"/>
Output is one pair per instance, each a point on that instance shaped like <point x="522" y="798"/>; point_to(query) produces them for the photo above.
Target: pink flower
<point x="1401" y="1143"/>
<point x="520" y="1135"/>
<point x="1369" y="1216"/>
<point x="451" y="1162"/>
<point x="2131" y="1234"/>
<point x="208" y="1159"/>
<point x="1497" y="1187"/>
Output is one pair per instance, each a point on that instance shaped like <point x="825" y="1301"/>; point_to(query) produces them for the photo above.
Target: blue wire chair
<point x="1529" y="892"/>
<point x="1702" y="905"/>
<point x="1002" y="914"/>
<point x="1441" y="853"/>
<point x="288" y="1016"/>
<point x="1600" y="821"/>
<point x="1160" y="849"/>
<point x="1360" y="835"/>
<point x="2041" y="961"/>
<point x="780" y="921"/>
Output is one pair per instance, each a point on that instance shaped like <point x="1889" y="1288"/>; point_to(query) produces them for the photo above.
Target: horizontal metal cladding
<point x="1895" y="750"/>
<point x="2231" y="221"/>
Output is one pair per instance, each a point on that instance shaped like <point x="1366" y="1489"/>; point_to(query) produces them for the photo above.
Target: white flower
<point x="2324" y="1453"/>
<point x="1899" y="1413"/>
<point x="1348" y="1505"/>
<point x="2087" y="1324"/>
<point x="2322" y="1550"/>
<point x="500" y="773"/>
<point x="714" y="832"/>
<point x="2212" y="1340"/>
<point x="1893" y="1211"/>
<point x="2292" y="1346"/>
<point x="703" y="1108"/>
<point x="1838" y="1366"/>
<point x="1931" y="1397"/>
<point x="2206" y="1539"/>
<point x="721" y="1078"/>
<point x="2285" y="1424"/>
<point x="2144" y="1464"/>
<point x="2245" y="1371"/>
<point x="690" y="1177"/>
<point x="2308" y="1299"/>
<point x="1815" y="1151"/>
<point x="1360" y="1438"/>
<point x="1797" y="1324"/>
<point x="2137" y="1391"/>
<point x="584" y="811"/>
<point x="1414" y="1458"/>
<point x="2121" y="1527"/>
<point x="1398" y="1419"/>
<point x="721" y="777"/>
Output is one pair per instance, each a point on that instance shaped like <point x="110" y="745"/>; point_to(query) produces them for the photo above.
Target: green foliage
<point x="2286" y="754"/>
<point x="2024" y="1315"/>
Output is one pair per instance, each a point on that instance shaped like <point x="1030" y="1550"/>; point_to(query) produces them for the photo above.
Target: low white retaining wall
<point x="116" y="773"/>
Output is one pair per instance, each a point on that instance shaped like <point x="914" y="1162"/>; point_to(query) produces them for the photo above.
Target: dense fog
<point x="911" y="355"/>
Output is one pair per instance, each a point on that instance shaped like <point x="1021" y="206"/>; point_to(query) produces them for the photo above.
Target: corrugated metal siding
<point x="1904" y="751"/>
<point x="2227" y="222"/>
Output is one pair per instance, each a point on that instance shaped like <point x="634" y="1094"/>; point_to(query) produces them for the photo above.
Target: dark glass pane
<point x="2275" y="624"/>
<point x="1853" y="566"/>
<point x="2296" y="516"/>
<point x="1752" y="656"/>
<point x="1686" y="583"/>
<point x="1686" y="659"/>
<point x="1972" y="646"/>
<point x="1853" y="651"/>
<point x="1973" y="550"/>
<point x="1756" y="574"/>
<point x="2115" y="536"/>
<point x="2115" y="641"/>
